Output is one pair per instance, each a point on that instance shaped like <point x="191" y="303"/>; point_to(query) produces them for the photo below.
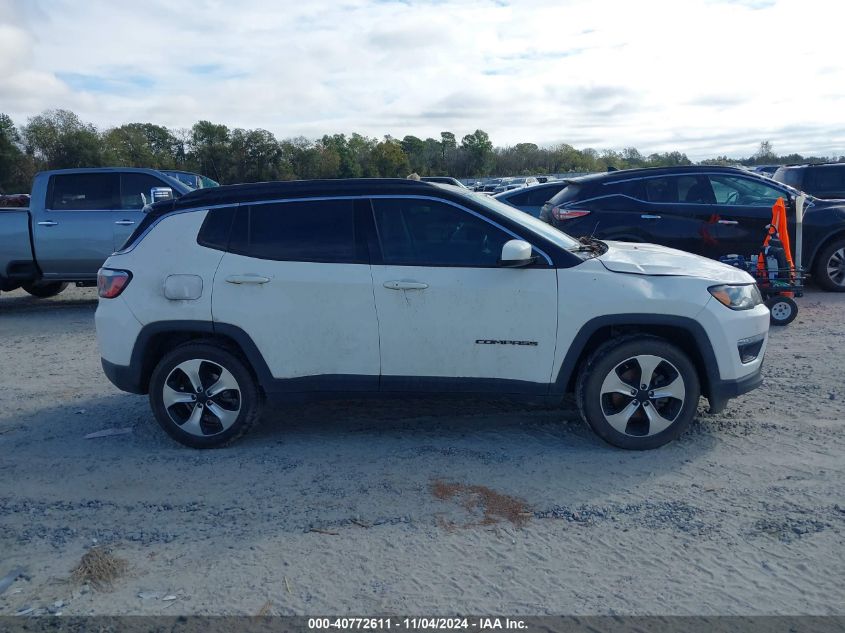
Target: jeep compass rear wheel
<point x="204" y="396"/>
<point x="638" y="392"/>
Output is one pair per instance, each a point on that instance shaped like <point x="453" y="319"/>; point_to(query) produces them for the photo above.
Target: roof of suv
<point x="230" y="194"/>
<point x="627" y="174"/>
<point x="277" y="190"/>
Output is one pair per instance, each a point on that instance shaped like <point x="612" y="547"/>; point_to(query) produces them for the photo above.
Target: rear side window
<point x="789" y="176"/>
<point x="84" y="192"/>
<point x="825" y="179"/>
<point x="215" y="229"/>
<point x="567" y="194"/>
<point x="303" y="231"/>
<point x="540" y="195"/>
<point x="520" y="198"/>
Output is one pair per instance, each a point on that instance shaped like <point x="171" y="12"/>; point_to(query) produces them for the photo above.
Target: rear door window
<point x="687" y="189"/>
<point x="84" y="192"/>
<point x="303" y="231"/>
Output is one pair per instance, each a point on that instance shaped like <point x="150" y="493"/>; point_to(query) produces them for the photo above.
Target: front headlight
<point x="737" y="297"/>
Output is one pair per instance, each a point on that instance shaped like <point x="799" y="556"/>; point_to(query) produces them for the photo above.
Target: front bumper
<point x="723" y="390"/>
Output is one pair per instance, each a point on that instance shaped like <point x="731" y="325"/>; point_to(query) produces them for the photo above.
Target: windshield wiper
<point x="589" y="244"/>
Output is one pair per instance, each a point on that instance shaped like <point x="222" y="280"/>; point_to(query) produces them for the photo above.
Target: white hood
<point x="651" y="259"/>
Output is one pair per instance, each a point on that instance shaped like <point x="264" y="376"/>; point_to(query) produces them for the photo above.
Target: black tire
<point x="829" y="271"/>
<point x="783" y="310"/>
<point x="597" y="408"/>
<point x="241" y="405"/>
<point x="44" y="290"/>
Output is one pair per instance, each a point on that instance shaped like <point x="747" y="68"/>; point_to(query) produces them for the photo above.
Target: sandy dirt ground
<point x="367" y="507"/>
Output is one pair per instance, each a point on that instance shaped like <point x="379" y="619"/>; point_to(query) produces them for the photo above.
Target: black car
<point x="711" y="211"/>
<point x="826" y="180"/>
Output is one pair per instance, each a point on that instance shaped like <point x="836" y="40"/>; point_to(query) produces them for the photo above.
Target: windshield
<point x="186" y="179"/>
<point x="541" y="228"/>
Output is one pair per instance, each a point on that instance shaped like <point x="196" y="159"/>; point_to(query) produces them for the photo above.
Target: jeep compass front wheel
<point x="204" y="396"/>
<point x="638" y="392"/>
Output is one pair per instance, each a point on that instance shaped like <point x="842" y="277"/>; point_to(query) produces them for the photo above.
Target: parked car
<point x="508" y="184"/>
<point x="444" y="180"/>
<point x="194" y="181"/>
<point x="490" y="186"/>
<point x="531" y="199"/>
<point x="825" y="181"/>
<point x="76" y="218"/>
<point x="711" y="211"/>
<point x="397" y="286"/>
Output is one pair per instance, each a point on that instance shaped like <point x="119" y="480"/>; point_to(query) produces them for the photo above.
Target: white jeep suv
<point x="231" y="295"/>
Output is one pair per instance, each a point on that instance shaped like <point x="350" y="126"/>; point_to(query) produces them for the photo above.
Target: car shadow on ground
<point x="18" y="301"/>
<point x="343" y="457"/>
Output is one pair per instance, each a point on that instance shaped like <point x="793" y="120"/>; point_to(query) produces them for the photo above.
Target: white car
<point x="509" y="184"/>
<point x="230" y="295"/>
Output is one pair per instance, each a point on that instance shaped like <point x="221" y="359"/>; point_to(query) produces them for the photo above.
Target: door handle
<point x="648" y="216"/>
<point x="405" y="285"/>
<point x="47" y="223"/>
<point x="247" y="279"/>
<point x="125" y="222"/>
<point x="728" y="222"/>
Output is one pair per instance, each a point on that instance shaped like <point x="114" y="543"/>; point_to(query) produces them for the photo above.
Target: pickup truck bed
<point x="16" y="246"/>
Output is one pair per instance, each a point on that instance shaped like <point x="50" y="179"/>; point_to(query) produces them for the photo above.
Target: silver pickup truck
<point x="75" y="220"/>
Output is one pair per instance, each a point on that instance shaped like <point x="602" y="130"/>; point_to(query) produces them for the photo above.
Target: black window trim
<point x="379" y="260"/>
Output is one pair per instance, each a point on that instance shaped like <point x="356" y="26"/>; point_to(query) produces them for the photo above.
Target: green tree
<point x="16" y="168"/>
<point x="255" y="157"/>
<point x="448" y="151"/>
<point x="414" y="149"/>
<point x="479" y="153"/>
<point x="389" y="160"/>
<point x="349" y="166"/>
<point x="210" y="149"/>
<point x="57" y="139"/>
<point x="140" y="145"/>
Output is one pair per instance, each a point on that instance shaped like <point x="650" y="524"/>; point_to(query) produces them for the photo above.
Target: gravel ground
<point x="332" y="508"/>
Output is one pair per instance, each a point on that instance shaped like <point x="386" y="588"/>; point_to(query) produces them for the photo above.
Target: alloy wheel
<point x="201" y="397"/>
<point x="643" y="395"/>
<point x="836" y="267"/>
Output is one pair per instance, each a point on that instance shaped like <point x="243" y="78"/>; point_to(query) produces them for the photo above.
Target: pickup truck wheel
<point x="638" y="392"/>
<point x="830" y="267"/>
<point x="43" y="290"/>
<point x="204" y="396"/>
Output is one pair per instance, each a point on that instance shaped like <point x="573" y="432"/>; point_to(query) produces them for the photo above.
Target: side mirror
<point x="161" y="193"/>
<point x="515" y="254"/>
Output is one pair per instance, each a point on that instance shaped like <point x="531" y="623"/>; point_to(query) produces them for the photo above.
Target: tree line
<point x="57" y="139"/>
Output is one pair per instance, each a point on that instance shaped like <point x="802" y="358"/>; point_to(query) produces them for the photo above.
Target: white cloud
<point x="702" y="76"/>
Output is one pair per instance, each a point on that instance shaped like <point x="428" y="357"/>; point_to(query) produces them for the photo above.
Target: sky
<point x="705" y="77"/>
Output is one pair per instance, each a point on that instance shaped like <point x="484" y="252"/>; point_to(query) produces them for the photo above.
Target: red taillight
<point x="110" y="283"/>
<point x="560" y="214"/>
